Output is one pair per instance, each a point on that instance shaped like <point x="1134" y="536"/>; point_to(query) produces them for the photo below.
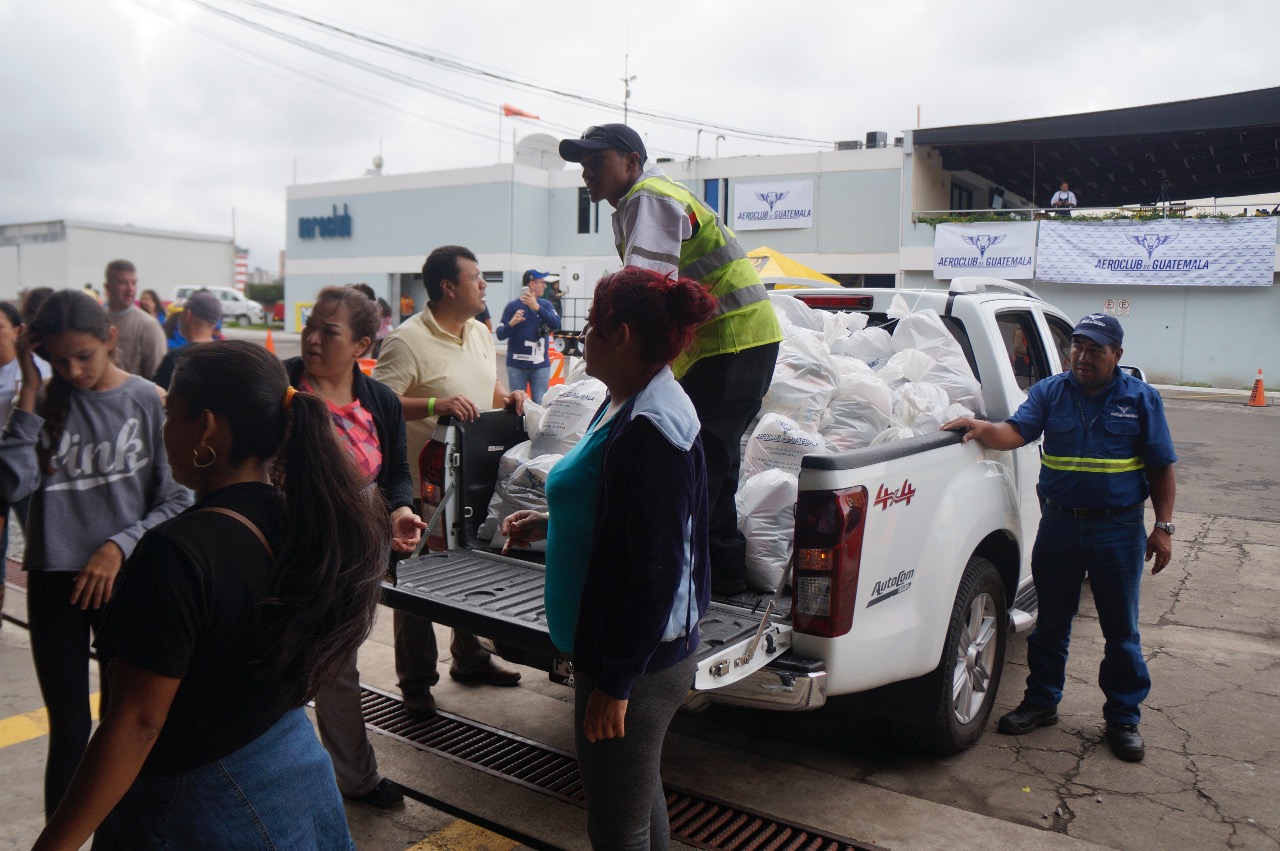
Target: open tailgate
<point x="499" y="597"/>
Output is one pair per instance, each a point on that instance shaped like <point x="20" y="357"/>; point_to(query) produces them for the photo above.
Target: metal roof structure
<point x="1221" y="147"/>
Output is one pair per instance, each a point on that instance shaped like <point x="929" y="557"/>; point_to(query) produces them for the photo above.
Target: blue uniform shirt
<point x="1096" y="448"/>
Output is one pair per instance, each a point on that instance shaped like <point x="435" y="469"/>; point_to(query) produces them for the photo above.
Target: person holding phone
<point x="526" y="325"/>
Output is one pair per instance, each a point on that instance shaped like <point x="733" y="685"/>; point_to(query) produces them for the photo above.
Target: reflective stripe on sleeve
<point x="708" y="263"/>
<point x="741" y="298"/>
<point x="1092" y="465"/>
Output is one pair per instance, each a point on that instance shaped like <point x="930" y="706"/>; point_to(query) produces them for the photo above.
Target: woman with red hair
<point x="628" y="572"/>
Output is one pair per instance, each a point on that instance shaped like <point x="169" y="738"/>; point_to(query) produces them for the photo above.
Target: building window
<point x="588" y="213"/>
<point x="961" y="197"/>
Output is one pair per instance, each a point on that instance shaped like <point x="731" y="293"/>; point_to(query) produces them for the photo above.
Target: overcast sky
<point x="162" y="113"/>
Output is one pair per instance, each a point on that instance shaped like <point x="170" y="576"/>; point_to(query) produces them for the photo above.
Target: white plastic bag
<point x="906" y="365"/>
<point x="508" y="464"/>
<point x="527" y="488"/>
<point x="849" y="367"/>
<point x="567" y="417"/>
<point x="872" y="346"/>
<point x="921" y="407"/>
<point x="860" y="410"/>
<point x="766" y="517"/>
<point x="794" y="312"/>
<point x="778" y="443"/>
<point x="804" y="380"/>
<point x="925" y="331"/>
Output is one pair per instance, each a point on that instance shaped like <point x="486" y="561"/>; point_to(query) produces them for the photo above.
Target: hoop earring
<point x="195" y="456"/>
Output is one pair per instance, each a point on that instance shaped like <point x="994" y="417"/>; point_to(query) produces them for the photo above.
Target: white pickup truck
<point x="911" y="560"/>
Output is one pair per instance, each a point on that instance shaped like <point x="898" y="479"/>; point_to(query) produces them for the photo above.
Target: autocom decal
<point x="891" y="587"/>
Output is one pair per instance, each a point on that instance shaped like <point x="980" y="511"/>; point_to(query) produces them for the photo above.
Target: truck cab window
<point x="1061" y="332"/>
<point x="1022" y="344"/>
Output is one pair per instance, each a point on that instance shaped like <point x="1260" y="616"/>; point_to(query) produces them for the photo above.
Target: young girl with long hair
<point x="229" y="618"/>
<point x="89" y="451"/>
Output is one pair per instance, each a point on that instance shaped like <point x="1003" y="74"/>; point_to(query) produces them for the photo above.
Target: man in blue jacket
<point x="526" y="325"/>
<point x="1106" y="449"/>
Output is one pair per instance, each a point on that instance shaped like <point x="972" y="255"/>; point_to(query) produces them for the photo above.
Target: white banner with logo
<point x="773" y="205"/>
<point x="1237" y="252"/>
<point x="990" y="249"/>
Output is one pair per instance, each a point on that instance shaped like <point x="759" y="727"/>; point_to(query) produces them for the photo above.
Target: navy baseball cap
<point x="1102" y="329"/>
<point x="598" y="138"/>
<point x="534" y="275"/>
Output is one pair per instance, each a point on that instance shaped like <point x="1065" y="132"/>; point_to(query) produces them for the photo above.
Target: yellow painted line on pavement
<point x="32" y="725"/>
<point x="464" y="836"/>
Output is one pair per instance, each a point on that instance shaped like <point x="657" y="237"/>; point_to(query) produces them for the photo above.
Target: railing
<point x="1163" y="210"/>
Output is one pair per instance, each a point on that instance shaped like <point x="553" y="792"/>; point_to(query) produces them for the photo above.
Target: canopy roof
<point x="1220" y="147"/>
<point x="774" y="264"/>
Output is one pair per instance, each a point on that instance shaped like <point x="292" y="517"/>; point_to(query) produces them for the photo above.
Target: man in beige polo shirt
<point x="442" y="362"/>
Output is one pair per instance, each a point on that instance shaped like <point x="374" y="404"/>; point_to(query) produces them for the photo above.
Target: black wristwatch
<point x="1168" y="527"/>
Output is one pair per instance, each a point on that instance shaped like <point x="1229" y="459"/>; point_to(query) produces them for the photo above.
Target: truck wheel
<point x="961" y="692"/>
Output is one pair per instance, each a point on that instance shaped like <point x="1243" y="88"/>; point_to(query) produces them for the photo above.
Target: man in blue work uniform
<point x="1106" y="448"/>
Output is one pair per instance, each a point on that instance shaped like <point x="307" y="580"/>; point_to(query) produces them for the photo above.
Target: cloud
<point x="165" y="115"/>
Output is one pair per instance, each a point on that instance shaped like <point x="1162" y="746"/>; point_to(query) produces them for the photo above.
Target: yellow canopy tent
<point x="772" y="264"/>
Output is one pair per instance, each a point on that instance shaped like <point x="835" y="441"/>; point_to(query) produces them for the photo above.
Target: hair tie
<point x="288" y="397"/>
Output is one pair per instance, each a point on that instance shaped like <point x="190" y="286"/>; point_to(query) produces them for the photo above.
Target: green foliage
<point x="265" y="294"/>
<point x="1114" y="216"/>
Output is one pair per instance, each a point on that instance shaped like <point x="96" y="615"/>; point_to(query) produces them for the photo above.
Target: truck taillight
<point x="431" y="471"/>
<point x="828" y="554"/>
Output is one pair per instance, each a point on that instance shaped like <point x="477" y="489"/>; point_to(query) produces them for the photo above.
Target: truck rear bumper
<point x="778" y="686"/>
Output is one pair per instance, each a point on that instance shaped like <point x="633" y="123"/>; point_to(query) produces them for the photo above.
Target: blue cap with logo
<point x="534" y="275"/>
<point x="604" y="136"/>
<point x="1102" y="329"/>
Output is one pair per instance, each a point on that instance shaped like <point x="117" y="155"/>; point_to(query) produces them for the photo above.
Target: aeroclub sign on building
<point x="1000" y="250"/>
<point x="773" y="205"/>
<point x="1234" y="252"/>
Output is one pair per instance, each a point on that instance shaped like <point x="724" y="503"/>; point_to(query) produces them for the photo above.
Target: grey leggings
<point x="626" y="807"/>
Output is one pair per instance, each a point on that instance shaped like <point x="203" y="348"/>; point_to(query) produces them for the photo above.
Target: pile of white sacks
<point x="838" y="385"/>
<point x="554" y="428"/>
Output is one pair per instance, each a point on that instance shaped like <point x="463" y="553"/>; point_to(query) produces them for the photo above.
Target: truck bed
<point x="501" y="598"/>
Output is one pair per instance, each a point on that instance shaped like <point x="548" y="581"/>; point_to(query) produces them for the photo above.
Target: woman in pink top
<point x="370" y="424"/>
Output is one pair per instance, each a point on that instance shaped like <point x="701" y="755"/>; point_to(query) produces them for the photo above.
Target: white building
<point x="68" y="254"/>
<point x="850" y="213"/>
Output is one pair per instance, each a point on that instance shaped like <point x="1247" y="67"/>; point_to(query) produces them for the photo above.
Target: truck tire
<point x="959" y="694"/>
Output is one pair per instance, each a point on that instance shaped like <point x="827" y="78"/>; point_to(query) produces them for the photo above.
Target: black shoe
<point x="492" y="674"/>
<point x="384" y="796"/>
<point x="1126" y="742"/>
<point x="420" y="707"/>
<point x="1026" y="718"/>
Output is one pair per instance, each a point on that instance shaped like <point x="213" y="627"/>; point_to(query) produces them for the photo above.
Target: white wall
<point x="39" y="264"/>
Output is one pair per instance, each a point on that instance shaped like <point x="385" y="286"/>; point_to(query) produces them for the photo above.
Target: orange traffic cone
<point x="1258" y="398"/>
<point x="270" y="344"/>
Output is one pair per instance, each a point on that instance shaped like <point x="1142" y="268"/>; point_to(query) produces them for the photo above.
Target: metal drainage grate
<point x="695" y="819"/>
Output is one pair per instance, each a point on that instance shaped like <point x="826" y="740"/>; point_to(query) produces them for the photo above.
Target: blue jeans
<point x="536" y="378"/>
<point x="277" y="792"/>
<point x="1110" y="551"/>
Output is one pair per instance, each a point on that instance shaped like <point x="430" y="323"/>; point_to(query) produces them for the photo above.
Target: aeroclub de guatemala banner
<point x="773" y="205"/>
<point x="991" y="249"/>
<point x="1173" y="252"/>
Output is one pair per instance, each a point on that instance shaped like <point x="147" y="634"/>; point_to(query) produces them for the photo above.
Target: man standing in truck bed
<point x="1106" y="449"/>
<point x="660" y="225"/>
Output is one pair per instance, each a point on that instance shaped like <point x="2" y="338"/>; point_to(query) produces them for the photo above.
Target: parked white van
<point x="235" y="305"/>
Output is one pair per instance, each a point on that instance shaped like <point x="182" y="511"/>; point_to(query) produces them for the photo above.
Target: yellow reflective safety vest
<point x="712" y="256"/>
